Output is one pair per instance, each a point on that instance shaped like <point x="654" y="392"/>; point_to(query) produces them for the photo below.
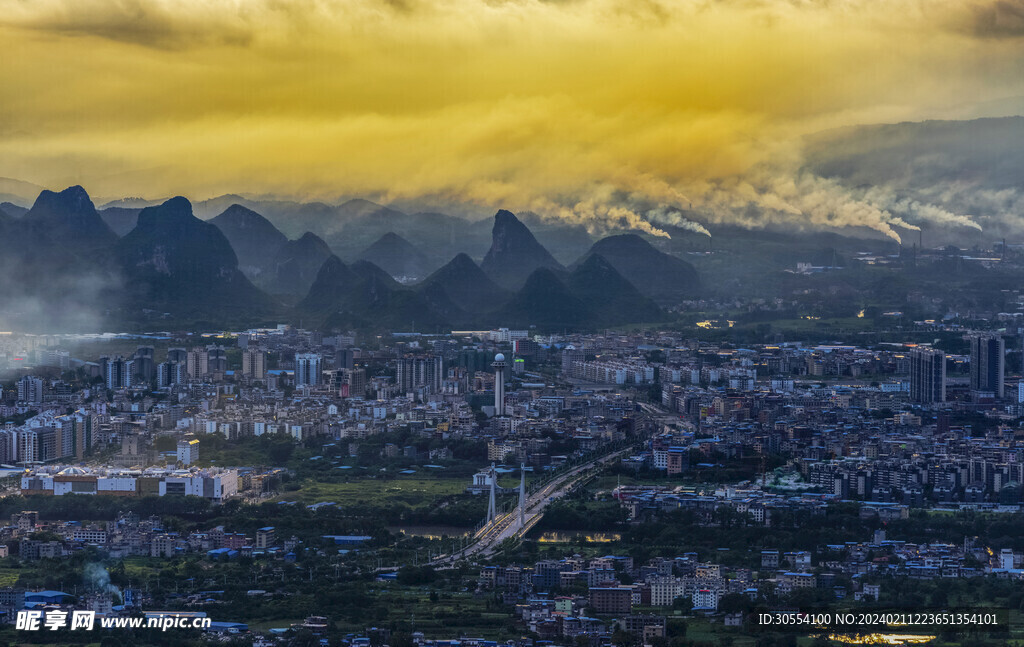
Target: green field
<point x="9" y="576"/>
<point x="413" y="491"/>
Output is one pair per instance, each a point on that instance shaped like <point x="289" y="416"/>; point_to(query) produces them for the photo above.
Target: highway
<point x="506" y="526"/>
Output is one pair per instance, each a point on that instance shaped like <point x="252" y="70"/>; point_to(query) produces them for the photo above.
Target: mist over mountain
<point x="398" y="257"/>
<point x="438" y="236"/>
<point x="134" y="203"/>
<point x="662" y="277"/>
<point x="365" y="296"/>
<point x="13" y="210"/>
<point x="565" y="241"/>
<point x="462" y="283"/>
<point x="296" y="264"/>
<point x="461" y="294"/>
<point x="254" y="239"/>
<point x="267" y="258"/>
<point x="49" y="279"/>
<point x="296" y="218"/>
<point x="121" y="220"/>
<point x="352" y="226"/>
<point x="960" y="182"/>
<point x="19" y="192"/>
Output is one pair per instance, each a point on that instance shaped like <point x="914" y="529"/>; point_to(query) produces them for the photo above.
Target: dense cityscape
<point x="624" y="435"/>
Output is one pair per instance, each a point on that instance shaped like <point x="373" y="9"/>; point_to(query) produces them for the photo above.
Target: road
<point x="488" y="538"/>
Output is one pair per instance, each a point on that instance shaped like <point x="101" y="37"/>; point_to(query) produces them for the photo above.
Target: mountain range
<point x="519" y="283"/>
<point x="163" y="263"/>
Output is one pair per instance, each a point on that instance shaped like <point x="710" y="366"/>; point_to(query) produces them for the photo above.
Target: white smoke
<point x="97" y="578"/>
<point x="665" y="215"/>
<point x="924" y="213"/>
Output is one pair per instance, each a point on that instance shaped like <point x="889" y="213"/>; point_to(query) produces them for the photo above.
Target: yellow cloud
<point x="589" y="110"/>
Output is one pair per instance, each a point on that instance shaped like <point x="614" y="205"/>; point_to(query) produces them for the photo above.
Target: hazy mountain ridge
<point x="365" y="296"/>
<point x="296" y="264"/>
<point x="464" y="284"/>
<point x="121" y="220"/>
<point x="660" y="276"/>
<point x="13" y="210"/>
<point x="398" y="257"/>
<point x="974" y="168"/>
<point x="255" y="239"/>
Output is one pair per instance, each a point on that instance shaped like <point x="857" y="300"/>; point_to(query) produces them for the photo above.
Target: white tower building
<point x="499" y="384"/>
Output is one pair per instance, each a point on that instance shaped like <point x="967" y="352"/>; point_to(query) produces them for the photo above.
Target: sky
<point x="608" y="112"/>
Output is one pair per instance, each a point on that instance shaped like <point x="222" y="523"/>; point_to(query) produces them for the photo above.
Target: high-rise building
<point x="168" y="373"/>
<point x="216" y="359"/>
<point x="26" y="446"/>
<point x="570" y="355"/>
<point x="349" y="382"/>
<point x="144" y="363"/>
<point x="344" y="358"/>
<point x="30" y="390"/>
<point x="118" y="373"/>
<point x="356" y="382"/>
<point x="307" y="369"/>
<point x="473" y="360"/>
<point x="83" y="436"/>
<point x="927" y="375"/>
<point x="197" y="363"/>
<point x="177" y="355"/>
<point x="988" y="354"/>
<point x="254" y="363"/>
<point x="413" y="373"/>
<point x="499" y="384"/>
<point x="58" y="358"/>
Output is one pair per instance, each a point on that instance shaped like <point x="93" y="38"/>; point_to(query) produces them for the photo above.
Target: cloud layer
<point x="575" y="109"/>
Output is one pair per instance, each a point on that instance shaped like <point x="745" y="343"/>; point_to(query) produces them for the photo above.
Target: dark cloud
<point x="998" y="19"/>
<point x="140" y="22"/>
